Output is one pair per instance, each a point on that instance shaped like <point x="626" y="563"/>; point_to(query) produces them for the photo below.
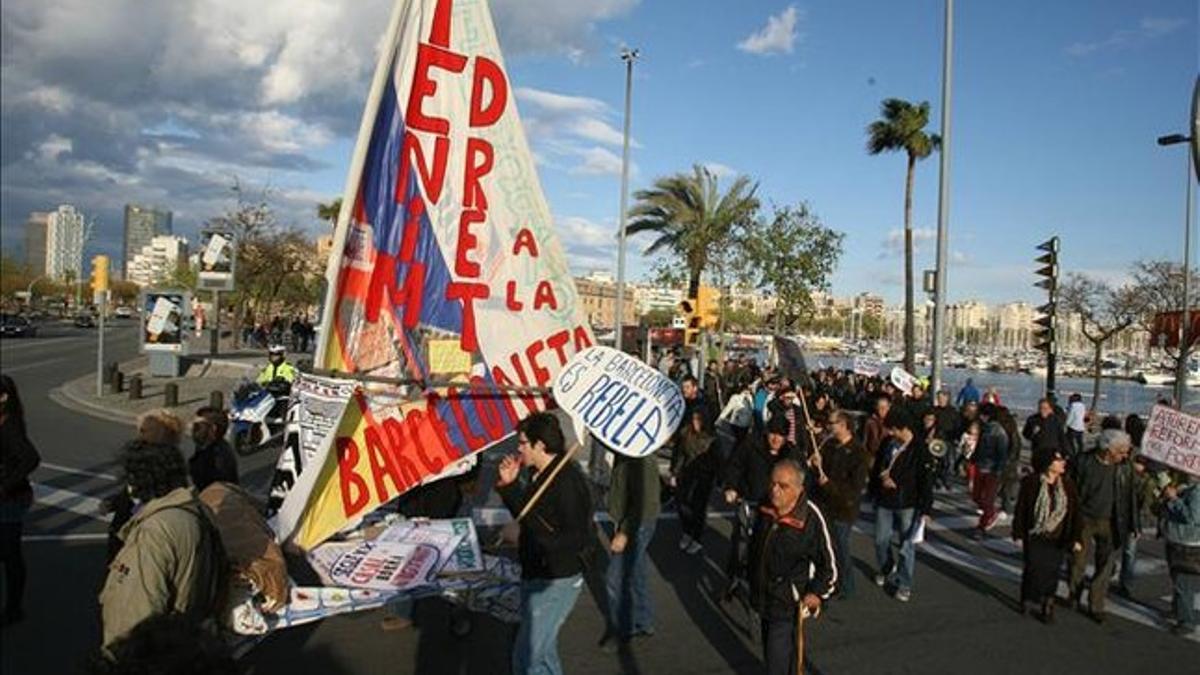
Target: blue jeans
<point x="545" y="604"/>
<point x="888" y="523"/>
<point x="1186" y="587"/>
<point x="629" y="607"/>
<point x="841" y="551"/>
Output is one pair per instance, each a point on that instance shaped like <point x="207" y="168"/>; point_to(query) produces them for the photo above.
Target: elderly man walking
<point x="1106" y="494"/>
<point x="793" y="568"/>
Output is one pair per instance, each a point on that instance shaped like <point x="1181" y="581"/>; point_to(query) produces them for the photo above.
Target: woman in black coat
<point x="1046" y="524"/>
<point x="18" y="459"/>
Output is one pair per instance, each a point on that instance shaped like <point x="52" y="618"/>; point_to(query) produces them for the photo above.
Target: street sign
<point x="218" y="257"/>
<point x="164" y="312"/>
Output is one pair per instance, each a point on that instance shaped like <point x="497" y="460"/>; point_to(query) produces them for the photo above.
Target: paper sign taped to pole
<point x="1173" y="438"/>
<point x="629" y="406"/>
<point x="904" y="380"/>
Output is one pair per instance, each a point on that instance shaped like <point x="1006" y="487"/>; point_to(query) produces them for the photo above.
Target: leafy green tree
<point x="692" y="219"/>
<point x="792" y="254"/>
<point x="901" y="127"/>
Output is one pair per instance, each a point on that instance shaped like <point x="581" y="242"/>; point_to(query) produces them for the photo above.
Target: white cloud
<point x="1149" y="28"/>
<point x="598" y="161"/>
<point x="566" y="127"/>
<point x="565" y="27"/>
<point x="588" y="244"/>
<point x="893" y="244"/>
<point x="778" y="36"/>
<point x="556" y="103"/>
<point x="165" y="102"/>
<point x="720" y="170"/>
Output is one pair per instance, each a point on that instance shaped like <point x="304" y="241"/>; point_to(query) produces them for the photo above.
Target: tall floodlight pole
<point x="939" y="294"/>
<point x="1181" y="369"/>
<point x="628" y="56"/>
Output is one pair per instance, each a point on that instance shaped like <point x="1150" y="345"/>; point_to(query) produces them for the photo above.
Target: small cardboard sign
<point x="1173" y="438"/>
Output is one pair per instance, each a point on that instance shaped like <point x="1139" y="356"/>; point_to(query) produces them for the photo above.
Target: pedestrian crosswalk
<point x="953" y="539"/>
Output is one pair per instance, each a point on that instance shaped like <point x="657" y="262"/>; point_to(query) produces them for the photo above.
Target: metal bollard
<point x="217" y="400"/>
<point x="171" y="395"/>
<point x="117" y="382"/>
<point x="135" y="387"/>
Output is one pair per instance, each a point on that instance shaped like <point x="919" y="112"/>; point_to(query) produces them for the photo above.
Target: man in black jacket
<point x="792" y="564"/>
<point x="748" y="479"/>
<point x="748" y="475"/>
<point x="213" y="459"/>
<point x="842" y="468"/>
<point x="556" y="536"/>
<point x="901" y="486"/>
<point x="1109" y="512"/>
<point x="1045" y="430"/>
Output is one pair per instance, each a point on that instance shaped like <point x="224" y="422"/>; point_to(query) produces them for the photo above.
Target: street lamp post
<point x="628" y="56"/>
<point x="939" y="297"/>
<point x="1181" y="369"/>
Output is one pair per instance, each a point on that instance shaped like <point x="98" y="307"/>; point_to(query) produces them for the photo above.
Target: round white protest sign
<point x="629" y="406"/>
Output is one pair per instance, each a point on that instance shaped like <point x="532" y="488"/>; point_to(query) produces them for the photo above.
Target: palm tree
<point x="902" y="127"/>
<point x="330" y="211"/>
<point x="692" y="218"/>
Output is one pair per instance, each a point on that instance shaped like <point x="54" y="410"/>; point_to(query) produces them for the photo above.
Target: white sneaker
<point x="685" y="542"/>
<point x="903" y="595"/>
<point x="694" y="547"/>
<point x="1002" y="517"/>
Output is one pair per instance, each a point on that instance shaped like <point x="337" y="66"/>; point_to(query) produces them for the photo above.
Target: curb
<point x="63" y="397"/>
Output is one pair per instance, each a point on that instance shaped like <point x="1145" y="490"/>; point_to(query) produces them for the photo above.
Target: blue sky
<point x="1056" y="108"/>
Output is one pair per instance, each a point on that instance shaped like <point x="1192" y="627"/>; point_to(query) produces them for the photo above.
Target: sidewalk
<point x="203" y="375"/>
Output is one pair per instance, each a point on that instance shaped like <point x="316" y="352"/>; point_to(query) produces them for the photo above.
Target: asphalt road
<point x="962" y="617"/>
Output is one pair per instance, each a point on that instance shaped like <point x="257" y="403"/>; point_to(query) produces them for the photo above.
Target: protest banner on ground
<point x="904" y="380"/>
<point x="444" y="234"/>
<point x="629" y="406"/>
<point x="465" y="556"/>
<point x="868" y="366"/>
<point x="1173" y="438"/>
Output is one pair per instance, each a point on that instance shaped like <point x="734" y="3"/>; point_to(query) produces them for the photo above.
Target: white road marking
<point x="34" y="343"/>
<point x="35" y="364"/>
<point x="87" y="536"/>
<point x="81" y="504"/>
<point x="66" y="469"/>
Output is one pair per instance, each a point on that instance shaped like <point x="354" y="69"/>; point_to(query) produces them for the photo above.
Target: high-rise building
<point x="142" y="224"/>
<point x="35" y="242"/>
<point x="66" y="232"/>
<point x="157" y="260"/>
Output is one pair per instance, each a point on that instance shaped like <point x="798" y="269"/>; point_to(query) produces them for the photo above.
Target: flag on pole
<point x="445" y="242"/>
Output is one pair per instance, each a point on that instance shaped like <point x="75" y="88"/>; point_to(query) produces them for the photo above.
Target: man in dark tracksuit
<point x="792" y="565"/>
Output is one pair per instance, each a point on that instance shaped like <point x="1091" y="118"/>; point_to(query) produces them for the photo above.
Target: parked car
<point x="14" y="325"/>
<point x="85" y="321"/>
<point x="123" y="312"/>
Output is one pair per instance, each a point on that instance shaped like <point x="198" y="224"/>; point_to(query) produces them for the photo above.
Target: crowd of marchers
<point x="796" y="459"/>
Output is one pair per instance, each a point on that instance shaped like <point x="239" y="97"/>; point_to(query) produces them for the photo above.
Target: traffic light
<point x="1044" y="335"/>
<point x="692" y="320"/>
<point x="99" y="274"/>
<point x="708" y="307"/>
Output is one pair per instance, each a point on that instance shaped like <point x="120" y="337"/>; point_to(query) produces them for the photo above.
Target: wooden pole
<point x="800" y="639"/>
<point x="549" y="479"/>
